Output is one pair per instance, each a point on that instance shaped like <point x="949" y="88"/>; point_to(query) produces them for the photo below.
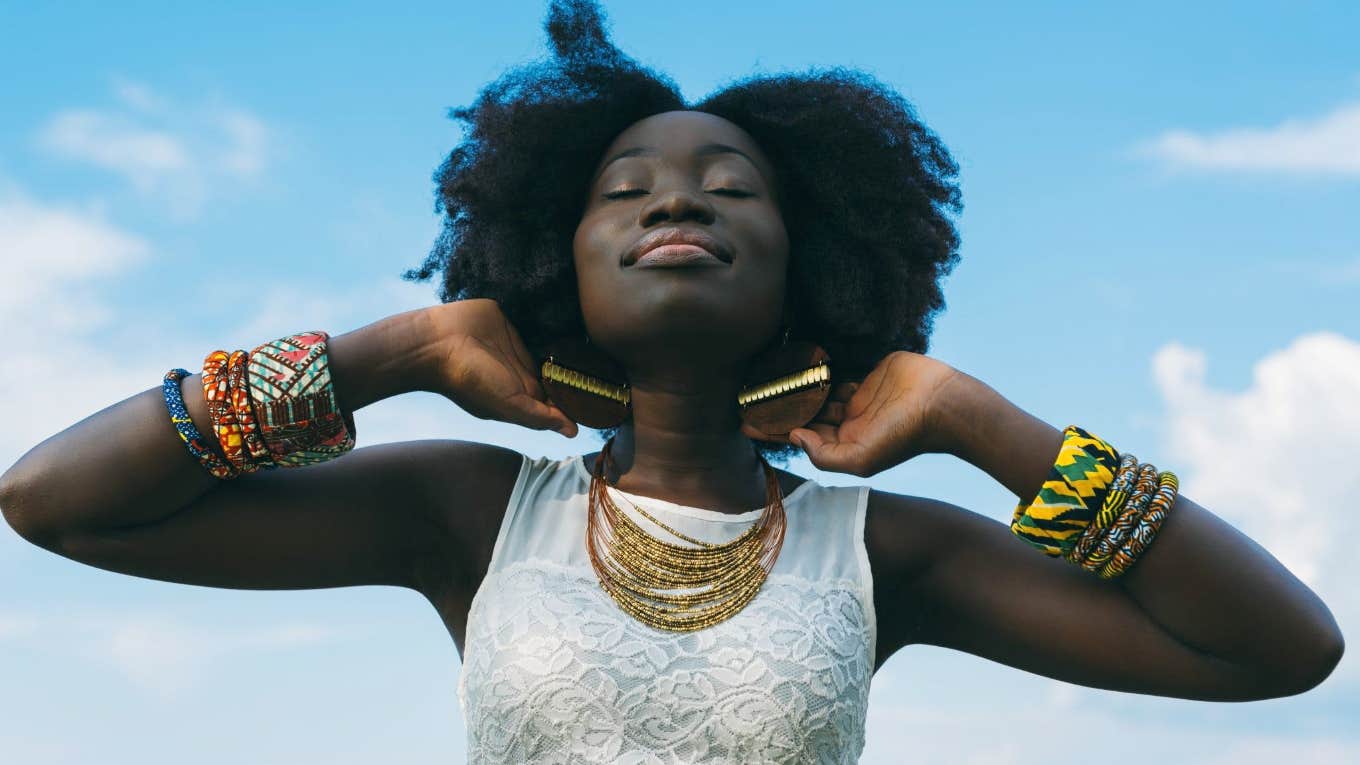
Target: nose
<point x="677" y="204"/>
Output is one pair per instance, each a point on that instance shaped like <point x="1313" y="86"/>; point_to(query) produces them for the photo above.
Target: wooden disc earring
<point x="585" y="383"/>
<point x="784" y="388"/>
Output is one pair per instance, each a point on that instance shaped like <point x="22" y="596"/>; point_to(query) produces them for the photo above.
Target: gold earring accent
<point x="785" y="388"/>
<point x="782" y="389"/>
<point x="585" y="383"/>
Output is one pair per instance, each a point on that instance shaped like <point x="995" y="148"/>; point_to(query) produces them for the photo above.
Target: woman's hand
<point x="487" y="370"/>
<point x="886" y="419"/>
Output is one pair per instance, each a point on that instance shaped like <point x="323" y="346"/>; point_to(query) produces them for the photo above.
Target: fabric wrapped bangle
<point x="1075" y="489"/>
<point x="1127" y="520"/>
<point x="217" y="394"/>
<point x="245" y="411"/>
<point x="200" y="449"/>
<point x="1114" y="503"/>
<point x="299" y="418"/>
<point x="1148" y="526"/>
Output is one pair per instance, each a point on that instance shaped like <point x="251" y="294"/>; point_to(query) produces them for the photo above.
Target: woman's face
<point x="695" y="172"/>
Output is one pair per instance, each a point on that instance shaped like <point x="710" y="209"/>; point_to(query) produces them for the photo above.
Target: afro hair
<point x="866" y="192"/>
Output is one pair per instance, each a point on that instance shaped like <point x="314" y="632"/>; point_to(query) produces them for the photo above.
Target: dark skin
<point x="1205" y="613"/>
<point x="683" y="441"/>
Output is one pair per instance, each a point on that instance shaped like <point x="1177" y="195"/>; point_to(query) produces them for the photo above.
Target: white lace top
<point x="555" y="671"/>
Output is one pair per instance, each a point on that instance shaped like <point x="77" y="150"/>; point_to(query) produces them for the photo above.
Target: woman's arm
<point x="1202" y="581"/>
<point x="125" y="465"/>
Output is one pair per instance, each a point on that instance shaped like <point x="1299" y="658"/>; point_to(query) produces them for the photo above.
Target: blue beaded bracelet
<point x="215" y="463"/>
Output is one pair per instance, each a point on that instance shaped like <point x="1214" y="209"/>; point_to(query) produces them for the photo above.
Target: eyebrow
<point x="700" y="151"/>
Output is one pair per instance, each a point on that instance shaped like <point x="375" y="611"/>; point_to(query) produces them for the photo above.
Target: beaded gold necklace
<point x="639" y="564"/>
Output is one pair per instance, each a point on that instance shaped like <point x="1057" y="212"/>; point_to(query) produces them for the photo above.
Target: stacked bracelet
<point x="245" y="409"/>
<point x="1081" y="476"/>
<point x="1114" y="502"/>
<point x="218" y="395"/>
<point x="201" y="450"/>
<point x="273" y="407"/>
<point x="1147" y="529"/>
<point x="1113" y="535"/>
<point x="299" y="418"/>
<point x="1093" y="514"/>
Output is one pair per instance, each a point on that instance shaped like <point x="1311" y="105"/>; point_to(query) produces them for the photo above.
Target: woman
<point x="816" y="211"/>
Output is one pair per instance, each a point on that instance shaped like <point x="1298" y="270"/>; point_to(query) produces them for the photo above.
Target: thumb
<point x="822" y="455"/>
<point x="541" y="416"/>
<point x="807" y="440"/>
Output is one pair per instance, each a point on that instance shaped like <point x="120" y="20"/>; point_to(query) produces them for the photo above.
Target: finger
<point x="823" y="433"/>
<point x="540" y="416"/>
<point x="527" y="369"/>
<point x="823" y="451"/>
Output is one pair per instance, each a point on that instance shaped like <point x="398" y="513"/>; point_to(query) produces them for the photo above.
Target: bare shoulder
<point x="468" y="486"/>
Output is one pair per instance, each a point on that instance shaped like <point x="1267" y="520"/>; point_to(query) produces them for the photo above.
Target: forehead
<point x="683" y="137"/>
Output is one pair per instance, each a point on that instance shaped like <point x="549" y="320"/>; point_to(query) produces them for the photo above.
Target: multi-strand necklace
<point x="639" y="567"/>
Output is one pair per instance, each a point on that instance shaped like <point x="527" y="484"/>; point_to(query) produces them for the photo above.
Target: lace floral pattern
<point x="555" y="672"/>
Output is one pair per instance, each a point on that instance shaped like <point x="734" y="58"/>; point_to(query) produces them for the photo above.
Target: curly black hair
<point x="865" y="191"/>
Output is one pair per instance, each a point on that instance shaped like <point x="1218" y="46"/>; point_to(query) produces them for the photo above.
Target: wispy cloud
<point x="1325" y="145"/>
<point x="165" y="655"/>
<point x="1276" y="459"/>
<point x="160" y="653"/>
<point x="176" y="153"/>
<point x="49" y="256"/>
<point x="57" y="263"/>
<point x="1322" y="271"/>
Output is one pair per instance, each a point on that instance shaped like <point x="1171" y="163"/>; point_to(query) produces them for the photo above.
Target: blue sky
<point x="1177" y="183"/>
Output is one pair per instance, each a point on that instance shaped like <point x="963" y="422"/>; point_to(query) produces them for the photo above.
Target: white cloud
<point x="178" y="154"/>
<point x="1329" y="272"/>
<point x="111" y="141"/>
<point x="50" y="257"/>
<point x="55" y="263"/>
<point x="1329" y="144"/>
<point x="137" y="95"/>
<point x="165" y="655"/>
<point x="157" y="652"/>
<point x="1278" y="459"/>
<point x="56" y="266"/>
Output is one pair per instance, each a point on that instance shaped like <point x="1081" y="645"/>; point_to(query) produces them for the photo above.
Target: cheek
<point x="771" y="234"/>
<point x="781" y="233"/>
<point x="595" y="240"/>
<point x="595" y="261"/>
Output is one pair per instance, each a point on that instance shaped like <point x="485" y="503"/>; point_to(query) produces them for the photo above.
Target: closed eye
<point x="630" y="192"/>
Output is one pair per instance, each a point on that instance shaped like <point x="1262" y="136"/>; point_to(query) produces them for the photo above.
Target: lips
<point x="665" y="236"/>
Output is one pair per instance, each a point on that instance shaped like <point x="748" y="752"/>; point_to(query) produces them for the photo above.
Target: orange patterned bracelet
<point x="1133" y="511"/>
<point x="1148" y="526"/>
<point x="217" y="394"/>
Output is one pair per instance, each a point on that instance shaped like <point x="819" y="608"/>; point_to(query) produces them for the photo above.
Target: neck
<point x="687" y="447"/>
